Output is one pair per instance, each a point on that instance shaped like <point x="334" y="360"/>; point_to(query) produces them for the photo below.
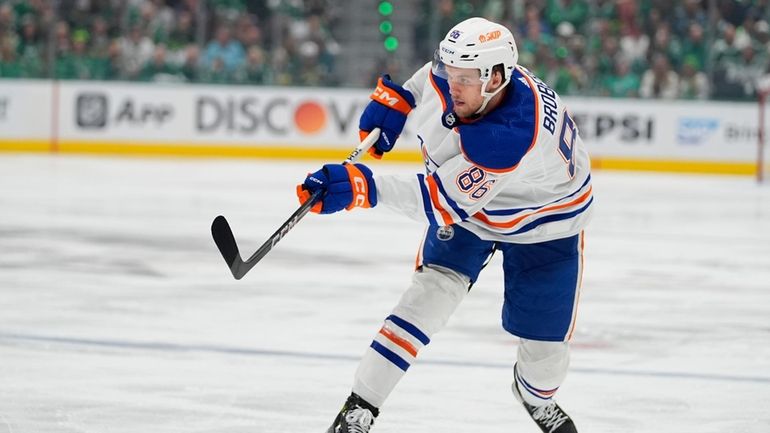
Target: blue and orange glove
<point x="345" y="187"/>
<point x="387" y="110"/>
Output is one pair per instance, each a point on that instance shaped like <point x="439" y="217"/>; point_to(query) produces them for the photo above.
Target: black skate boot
<point x="356" y="416"/>
<point x="549" y="417"/>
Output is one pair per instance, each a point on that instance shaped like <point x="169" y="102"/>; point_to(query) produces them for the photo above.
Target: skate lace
<point x="550" y="416"/>
<point x="359" y="420"/>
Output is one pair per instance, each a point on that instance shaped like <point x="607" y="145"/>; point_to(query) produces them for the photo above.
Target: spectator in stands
<point x="224" y="48"/>
<point x="190" y="68"/>
<point x="289" y="42"/>
<point x="694" y="46"/>
<point x="180" y="37"/>
<point x="285" y="68"/>
<point x="622" y="83"/>
<point x="100" y="40"/>
<point x="63" y="38"/>
<point x="689" y="12"/>
<point x="29" y="48"/>
<point x="747" y="71"/>
<point x="607" y="56"/>
<point x="727" y="49"/>
<point x="10" y="66"/>
<point x="135" y="50"/>
<point x="159" y="19"/>
<point x="574" y="12"/>
<point x="328" y="48"/>
<point x="248" y="33"/>
<point x="255" y="70"/>
<point x="634" y="45"/>
<point x="77" y="63"/>
<point x="762" y="37"/>
<point x="311" y="71"/>
<point x="214" y="73"/>
<point x="660" y="81"/>
<point x="693" y="84"/>
<point x="112" y="62"/>
<point x="7" y="22"/>
<point x="633" y="42"/>
<point x="665" y="43"/>
<point x="157" y="69"/>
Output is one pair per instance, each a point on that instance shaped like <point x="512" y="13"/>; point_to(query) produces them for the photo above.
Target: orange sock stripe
<point x="404" y="344"/>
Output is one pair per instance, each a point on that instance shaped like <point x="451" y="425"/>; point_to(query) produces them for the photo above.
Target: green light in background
<point x="385" y="8"/>
<point x="391" y="43"/>
<point x="386" y="27"/>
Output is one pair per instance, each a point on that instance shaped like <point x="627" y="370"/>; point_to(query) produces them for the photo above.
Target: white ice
<point x="117" y="313"/>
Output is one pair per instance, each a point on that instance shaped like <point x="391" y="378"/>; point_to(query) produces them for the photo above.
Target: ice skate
<point x="549" y="417"/>
<point x="356" y="416"/>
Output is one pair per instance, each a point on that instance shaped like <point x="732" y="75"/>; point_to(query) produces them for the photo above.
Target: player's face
<point x="465" y="90"/>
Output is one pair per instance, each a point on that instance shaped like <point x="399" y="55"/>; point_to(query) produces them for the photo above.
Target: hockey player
<point x="505" y="170"/>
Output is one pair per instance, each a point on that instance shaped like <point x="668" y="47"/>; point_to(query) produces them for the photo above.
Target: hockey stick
<point x="225" y="240"/>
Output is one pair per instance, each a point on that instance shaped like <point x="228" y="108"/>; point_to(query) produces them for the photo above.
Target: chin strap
<point x="488" y="96"/>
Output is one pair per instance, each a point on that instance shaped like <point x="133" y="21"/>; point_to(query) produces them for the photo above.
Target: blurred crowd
<point x="685" y="49"/>
<point x="274" y="42"/>
<point x="688" y="49"/>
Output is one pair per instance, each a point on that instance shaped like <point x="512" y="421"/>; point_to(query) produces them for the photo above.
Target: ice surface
<point x="117" y="313"/>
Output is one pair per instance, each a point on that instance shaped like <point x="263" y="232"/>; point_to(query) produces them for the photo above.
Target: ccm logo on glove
<point x="387" y="110"/>
<point x="390" y="97"/>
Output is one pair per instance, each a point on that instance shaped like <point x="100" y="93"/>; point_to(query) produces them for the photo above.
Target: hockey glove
<point x="387" y="110"/>
<point x="344" y="187"/>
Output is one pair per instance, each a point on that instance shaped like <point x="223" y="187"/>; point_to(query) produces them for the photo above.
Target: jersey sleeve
<point x="416" y="83"/>
<point x="454" y="192"/>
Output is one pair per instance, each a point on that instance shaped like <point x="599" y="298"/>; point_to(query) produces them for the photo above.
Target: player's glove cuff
<point x="343" y="187"/>
<point x="392" y="95"/>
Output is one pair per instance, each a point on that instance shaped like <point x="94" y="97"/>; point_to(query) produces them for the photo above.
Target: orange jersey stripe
<point x="438" y="91"/>
<point x="580" y="286"/>
<point x="404" y="344"/>
<point x="433" y="192"/>
<point x="513" y="222"/>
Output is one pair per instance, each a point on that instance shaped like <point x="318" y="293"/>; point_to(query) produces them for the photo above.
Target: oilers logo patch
<point x="445" y="233"/>
<point x="449" y="119"/>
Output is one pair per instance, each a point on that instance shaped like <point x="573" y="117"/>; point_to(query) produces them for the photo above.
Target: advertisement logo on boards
<point x="626" y="128"/>
<point x="741" y="134"/>
<point x="277" y="115"/>
<point x="696" y="130"/>
<point x="91" y="110"/>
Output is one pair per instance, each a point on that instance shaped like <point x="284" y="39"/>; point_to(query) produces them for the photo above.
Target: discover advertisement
<point x="209" y="120"/>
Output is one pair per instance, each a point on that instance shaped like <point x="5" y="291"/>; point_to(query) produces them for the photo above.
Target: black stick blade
<point x="223" y="237"/>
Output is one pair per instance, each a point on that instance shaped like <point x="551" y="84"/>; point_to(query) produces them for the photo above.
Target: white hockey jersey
<point x="518" y="174"/>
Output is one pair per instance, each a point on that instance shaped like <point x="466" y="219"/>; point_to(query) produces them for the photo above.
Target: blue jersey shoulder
<point x="500" y="139"/>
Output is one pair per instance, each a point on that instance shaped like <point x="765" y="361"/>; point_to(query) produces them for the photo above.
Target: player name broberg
<point x="520" y="173"/>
